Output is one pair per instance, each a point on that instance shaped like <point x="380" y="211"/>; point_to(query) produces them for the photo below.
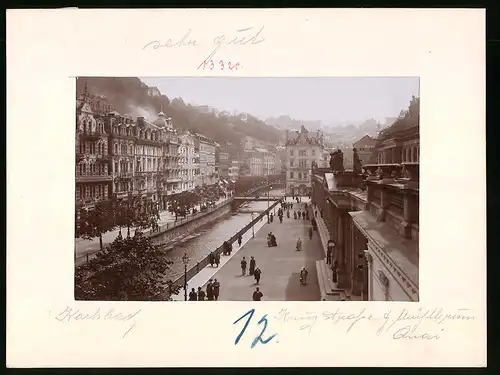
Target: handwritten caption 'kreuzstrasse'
<point x="73" y="315"/>
<point x="401" y="324"/>
<point x="248" y="36"/>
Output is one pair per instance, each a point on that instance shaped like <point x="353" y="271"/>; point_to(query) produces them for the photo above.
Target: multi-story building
<point x="171" y="171"/>
<point x="93" y="182"/>
<point x="206" y="147"/>
<point x="302" y="150"/>
<point x="188" y="161"/>
<point x="281" y="151"/>
<point x="234" y="170"/>
<point x="117" y="156"/>
<point x="223" y="164"/>
<point x="375" y="224"/>
<point x="269" y="163"/>
<point x="365" y="147"/>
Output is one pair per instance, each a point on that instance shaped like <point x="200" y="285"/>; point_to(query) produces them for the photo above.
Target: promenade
<point x="280" y="265"/>
<point x="84" y="247"/>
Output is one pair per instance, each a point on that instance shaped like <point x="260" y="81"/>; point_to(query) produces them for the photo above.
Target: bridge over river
<point x="199" y="243"/>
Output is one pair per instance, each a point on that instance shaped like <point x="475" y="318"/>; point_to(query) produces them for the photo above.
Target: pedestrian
<point x="210" y="290"/>
<point x="239" y="240"/>
<point x="288" y="214"/>
<point x="211" y="259"/>
<point x="256" y="275"/>
<point x="257" y="295"/>
<point x="243" y="266"/>
<point x="310" y="233"/>
<point x="201" y="294"/>
<point x="295" y="215"/>
<point x="303" y="215"/>
<point x="252" y="266"/>
<point x="328" y="256"/>
<point x="217" y="259"/>
<point x="216" y="289"/>
<point x="299" y="244"/>
<point x="192" y="295"/>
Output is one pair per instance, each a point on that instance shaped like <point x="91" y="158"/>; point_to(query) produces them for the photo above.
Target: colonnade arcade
<point x="349" y="258"/>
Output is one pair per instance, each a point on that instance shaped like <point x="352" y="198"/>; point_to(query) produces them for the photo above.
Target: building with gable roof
<point x="92" y="180"/>
<point x="301" y="151"/>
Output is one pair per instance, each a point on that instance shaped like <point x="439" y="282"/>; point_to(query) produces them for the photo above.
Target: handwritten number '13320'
<point x="259" y="338"/>
<point x="211" y="65"/>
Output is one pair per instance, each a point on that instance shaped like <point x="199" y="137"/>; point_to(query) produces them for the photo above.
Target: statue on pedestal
<point x="314" y="165"/>
<point x="405" y="173"/>
<point x="380" y="173"/>
<point x="356" y="161"/>
<point x="337" y="161"/>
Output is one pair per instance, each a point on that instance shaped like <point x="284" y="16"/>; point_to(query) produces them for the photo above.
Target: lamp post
<point x="185" y="260"/>
<point x="253" y="231"/>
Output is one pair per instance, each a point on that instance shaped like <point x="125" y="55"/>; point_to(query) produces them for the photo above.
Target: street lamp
<point x="185" y="260"/>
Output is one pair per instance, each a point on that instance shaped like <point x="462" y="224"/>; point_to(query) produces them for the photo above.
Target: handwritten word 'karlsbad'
<point x="241" y="37"/>
<point x="72" y="315"/>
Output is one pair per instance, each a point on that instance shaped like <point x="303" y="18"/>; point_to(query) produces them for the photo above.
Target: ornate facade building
<point x="206" y="148"/>
<point x="302" y="152"/>
<point x="93" y="182"/>
<point x="373" y="220"/>
<point x="189" y="161"/>
<point x="122" y="158"/>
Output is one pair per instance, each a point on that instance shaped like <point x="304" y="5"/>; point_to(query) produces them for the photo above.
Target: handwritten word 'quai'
<point x="421" y="324"/>
<point x="69" y="315"/>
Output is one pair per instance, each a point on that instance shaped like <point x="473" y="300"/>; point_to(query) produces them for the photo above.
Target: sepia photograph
<point x="247" y="189"/>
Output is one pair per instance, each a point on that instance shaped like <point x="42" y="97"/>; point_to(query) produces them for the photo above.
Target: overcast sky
<point x="325" y="99"/>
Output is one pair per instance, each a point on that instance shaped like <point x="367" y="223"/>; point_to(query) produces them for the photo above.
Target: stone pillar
<point x="368" y="282"/>
<point x="342" y="274"/>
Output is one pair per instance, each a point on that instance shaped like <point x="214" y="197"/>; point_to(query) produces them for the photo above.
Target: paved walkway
<point x="90" y="246"/>
<point x="280" y="265"/>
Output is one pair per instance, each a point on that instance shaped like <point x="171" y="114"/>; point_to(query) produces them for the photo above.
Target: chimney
<point x="140" y="121"/>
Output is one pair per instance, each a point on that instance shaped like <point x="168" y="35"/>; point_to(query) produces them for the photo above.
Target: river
<point x="199" y="243"/>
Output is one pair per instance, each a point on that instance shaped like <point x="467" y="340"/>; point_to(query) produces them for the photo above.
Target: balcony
<point x="92" y="136"/>
<point x="93" y="178"/>
<point x="123" y="175"/>
<point x="98" y="157"/>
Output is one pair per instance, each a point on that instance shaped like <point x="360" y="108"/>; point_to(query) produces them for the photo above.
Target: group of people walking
<point x="255" y="272"/>
<point x="211" y="293"/>
<point x="271" y="240"/>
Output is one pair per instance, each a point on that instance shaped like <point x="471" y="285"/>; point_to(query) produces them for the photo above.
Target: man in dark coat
<point x="216" y="289"/>
<point x="210" y="290"/>
<point x="192" y="295"/>
<point x="201" y="294"/>
<point x="217" y="259"/>
<point x="243" y="266"/>
<point x="257" y="274"/>
<point x="257" y="295"/>
<point x="252" y="265"/>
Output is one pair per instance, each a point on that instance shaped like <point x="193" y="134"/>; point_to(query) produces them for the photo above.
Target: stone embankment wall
<point x="170" y="235"/>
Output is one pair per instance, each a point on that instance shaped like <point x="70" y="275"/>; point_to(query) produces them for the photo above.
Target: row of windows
<point x="94" y="148"/>
<point x="300" y="175"/>
<point x="303" y="152"/>
<point x="302" y="163"/>
<point x="93" y="169"/>
<point x="91" y="191"/>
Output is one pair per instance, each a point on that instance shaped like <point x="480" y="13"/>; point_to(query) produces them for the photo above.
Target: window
<point x="291" y="152"/>
<point x="291" y="174"/>
<point x="302" y="163"/>
<point x="302" y="152"/>
<point x="292" y="162"/>
<point x="313" y="152"/>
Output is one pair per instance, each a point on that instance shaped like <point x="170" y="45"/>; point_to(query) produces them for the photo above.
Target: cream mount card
<point x="443" y="49"/>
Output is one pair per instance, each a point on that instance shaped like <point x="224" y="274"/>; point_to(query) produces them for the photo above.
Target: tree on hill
<point x="129" y="269"/>
<point x="124" y="93"/>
